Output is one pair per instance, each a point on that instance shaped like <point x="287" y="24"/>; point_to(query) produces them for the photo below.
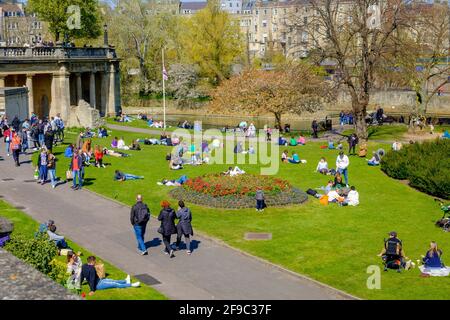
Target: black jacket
<point x="167" y="217"/>
<point x="89" y="273"/>
<point x="134" y="210"/>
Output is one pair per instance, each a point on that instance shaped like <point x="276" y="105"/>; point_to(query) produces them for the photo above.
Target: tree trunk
<point x="278" y="120"/>
<point x="360" y="124"/>
<point x="57" y="36"/>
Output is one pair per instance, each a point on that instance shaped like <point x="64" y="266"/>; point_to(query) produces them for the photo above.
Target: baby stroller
<point x="444" y="222"/>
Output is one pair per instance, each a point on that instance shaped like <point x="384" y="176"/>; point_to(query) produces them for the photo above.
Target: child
<point x="322" y="166"/>
<point x="284" y="156"/>
<point x="260" y="203"/>
<point x="98" y="154"/>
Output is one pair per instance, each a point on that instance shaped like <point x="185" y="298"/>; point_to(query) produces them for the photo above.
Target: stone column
<point x="79" y="88"/>
<point x="30" y="94"/>
<point x="111" y="106"/>
<point x="2" y="81"/>
<point x="104" y="93"/>
<point x="55" y="105"/>
<point x="64" y="94"/>
<point x="92" y="96"/>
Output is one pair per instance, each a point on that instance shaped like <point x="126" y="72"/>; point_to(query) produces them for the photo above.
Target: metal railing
<point x="12" y="53"/>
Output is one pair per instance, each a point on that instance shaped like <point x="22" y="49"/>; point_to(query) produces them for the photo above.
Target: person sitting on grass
<point x="293" y="142"/>
<point x="432" y="258"/>
<point x="333" y="196"/>
<point x="446" y="135"/>
<point x="331" y="145"/>
<point x="57" y="239"/>
<point x="375" y="160"/>
<point x="114" y="143"/>
<point x="135" y="146"/>
<point x="285" y="156"/>
<point x="121" y="144"/>
<point x="74" y="265"/>
<point x="295" y="158"/>
<point x="352" y="198"/>
<point x="175" y="163"/>
<point x="393" y="255"/>
<point x="282" y="141"/>
<point x="89" y="273"/>
<point x="301" y="140"/>
<point x="98" y="154"/>
<point x="120" y="176"/>
<point x="322" y="166"/>
<point x="338" y="181"/>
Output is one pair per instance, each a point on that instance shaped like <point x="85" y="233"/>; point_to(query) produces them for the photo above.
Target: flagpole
<point x="164" y="90"/>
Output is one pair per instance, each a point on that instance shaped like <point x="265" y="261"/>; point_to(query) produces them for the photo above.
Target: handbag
<point x="69" y="175"/>
<point x="160" y="230"/>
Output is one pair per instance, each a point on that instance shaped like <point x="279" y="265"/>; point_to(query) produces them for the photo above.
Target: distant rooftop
<point x="197" y="5"/>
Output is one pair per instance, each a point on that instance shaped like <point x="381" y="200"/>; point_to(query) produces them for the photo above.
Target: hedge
<point x="426" y="165"/>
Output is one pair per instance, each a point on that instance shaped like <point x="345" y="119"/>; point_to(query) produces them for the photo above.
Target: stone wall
<point x="14" y="102"/>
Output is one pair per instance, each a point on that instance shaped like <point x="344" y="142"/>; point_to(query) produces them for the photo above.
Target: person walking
<point x="352" y="142"/>
<point x="342" y="163"/>
<point x="42" y="166"/>
<point x="167" y="217"/>
<point x="184" y="226"/>
<point x="7" y="138"/>
<point x="315" y="128"/>
<point x="139" y="217"/>
<point x="76" y="165"/>
<point x="16" y="146"/>
<point x="51" y="168"/>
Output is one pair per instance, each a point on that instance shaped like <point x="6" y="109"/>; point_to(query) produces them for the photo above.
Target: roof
<point x="193" y="5"/>
<point x="10" y="7"/>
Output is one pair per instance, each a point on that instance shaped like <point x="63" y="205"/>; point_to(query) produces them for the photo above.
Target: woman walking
<point x="167" y="229"/>
<point x="42" y="165"/>
<point x="51" y="168"/>
<point x="184" y="226"/>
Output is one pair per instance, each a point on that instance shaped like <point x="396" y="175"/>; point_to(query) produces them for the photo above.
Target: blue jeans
<point x="41" y="139"/>
<point x="43" y="173"/>
<point x="111" y="284"/>
<point x="259" y="204"/>
<point x="77" y="174"/>
<point x="370" y="163"/>
<point x="345" y="173"/>
<point x="139" y="232"/>
<point x="52" y="174"/>
<point x="292" y="161"/>
<point x="131" y="177"/>
<point x="7" y="147"/>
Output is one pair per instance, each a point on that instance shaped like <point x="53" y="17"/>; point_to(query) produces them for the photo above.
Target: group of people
<point x="394" y="257"/>
<point x="140" y="216"/>
<point x="33" y="133"/>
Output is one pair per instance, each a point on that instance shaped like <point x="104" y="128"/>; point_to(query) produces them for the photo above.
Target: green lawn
<point x="392" y="132"/>
<point x="331" y="244"/>
<point x="25" y="225"/>
<point x="137" y="123"/>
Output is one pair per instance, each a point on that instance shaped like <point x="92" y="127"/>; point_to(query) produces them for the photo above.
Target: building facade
<point x="70" y="81"/>
<point x="18" y="28"/>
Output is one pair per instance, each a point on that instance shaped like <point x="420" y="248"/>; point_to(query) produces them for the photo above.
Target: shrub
<point x="58" y="272"/>
<point x="38" y="252"/>
<point x="425" y="165"/>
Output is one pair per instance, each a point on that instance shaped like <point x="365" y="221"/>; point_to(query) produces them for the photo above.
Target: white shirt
<point x="120" y="144"/>
<point x="342" y="163"/>
<point x="333" y="195"/>
<point x="322" y="165"/>
<point x="353" y="198"/>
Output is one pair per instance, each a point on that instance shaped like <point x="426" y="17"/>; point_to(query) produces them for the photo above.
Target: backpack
<point x="311" y="192"/>
<point x="393" y="247"/>
<point x="142" y="215"/>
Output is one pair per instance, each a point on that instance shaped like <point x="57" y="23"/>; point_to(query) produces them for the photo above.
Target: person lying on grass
<point x="180" y="181"/>
<point x="233" y="172"/>
<point x="89" y="273"/>
<point x="120" y="176"/>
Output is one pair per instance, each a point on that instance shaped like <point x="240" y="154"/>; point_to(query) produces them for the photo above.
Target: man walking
<point x="315" y="128"/>
<point x="342" y="163"/>
<point x="352" y="142"/>
<point x="140" y="215"/>
<point x="76" y="165"/>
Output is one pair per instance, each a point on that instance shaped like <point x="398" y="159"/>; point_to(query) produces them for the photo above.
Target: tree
<point x="423" y="49"/>
<point x="355" y="35"/>
<point x="213" y="41"/>
<point x="140" y="34"/>
<point x="60" y="19"/>
<point x="292" y="88"/>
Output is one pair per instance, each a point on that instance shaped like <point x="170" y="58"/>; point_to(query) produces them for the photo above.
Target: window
<point x="264" y="23"/>
<point x="289" y="41"/>
<point x="265" y="11"/>
<point x="256" y="12"/>
<point x="256" y="28"/>
<point x="305" y="20"/>
<point x="231" y="5"/>
<point x="275" y="11"/>
<point x="304" y="36"/>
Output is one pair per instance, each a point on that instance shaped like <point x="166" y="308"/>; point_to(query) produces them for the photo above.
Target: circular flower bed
<point x="218" y="191"/>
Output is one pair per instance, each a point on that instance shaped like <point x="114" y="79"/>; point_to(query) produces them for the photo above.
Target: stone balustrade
<point x="13" y="53"/>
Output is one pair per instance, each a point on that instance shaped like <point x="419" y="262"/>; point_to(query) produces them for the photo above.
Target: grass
<point x="391" y="132"/>
<point x="25" y="225"/>
<point x="331" y="244"/>
<point x="137" y="123"/>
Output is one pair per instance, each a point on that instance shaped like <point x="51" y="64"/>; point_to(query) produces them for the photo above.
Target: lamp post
<point x="105" y="35"/>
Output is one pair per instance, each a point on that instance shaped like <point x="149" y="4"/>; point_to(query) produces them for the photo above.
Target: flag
<point x="164" y="74"/>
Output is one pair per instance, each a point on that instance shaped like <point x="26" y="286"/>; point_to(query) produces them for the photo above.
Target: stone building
<point x="78" y="83"/>
<point x="17" y="27"/>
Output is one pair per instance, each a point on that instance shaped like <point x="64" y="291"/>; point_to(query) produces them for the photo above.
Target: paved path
<point x="213" y="271"/>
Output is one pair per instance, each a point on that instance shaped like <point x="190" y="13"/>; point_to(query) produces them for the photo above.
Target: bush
<point x="58" y="272"/>
<point x="38" y="252"/>
<point x="425" y="165"/>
